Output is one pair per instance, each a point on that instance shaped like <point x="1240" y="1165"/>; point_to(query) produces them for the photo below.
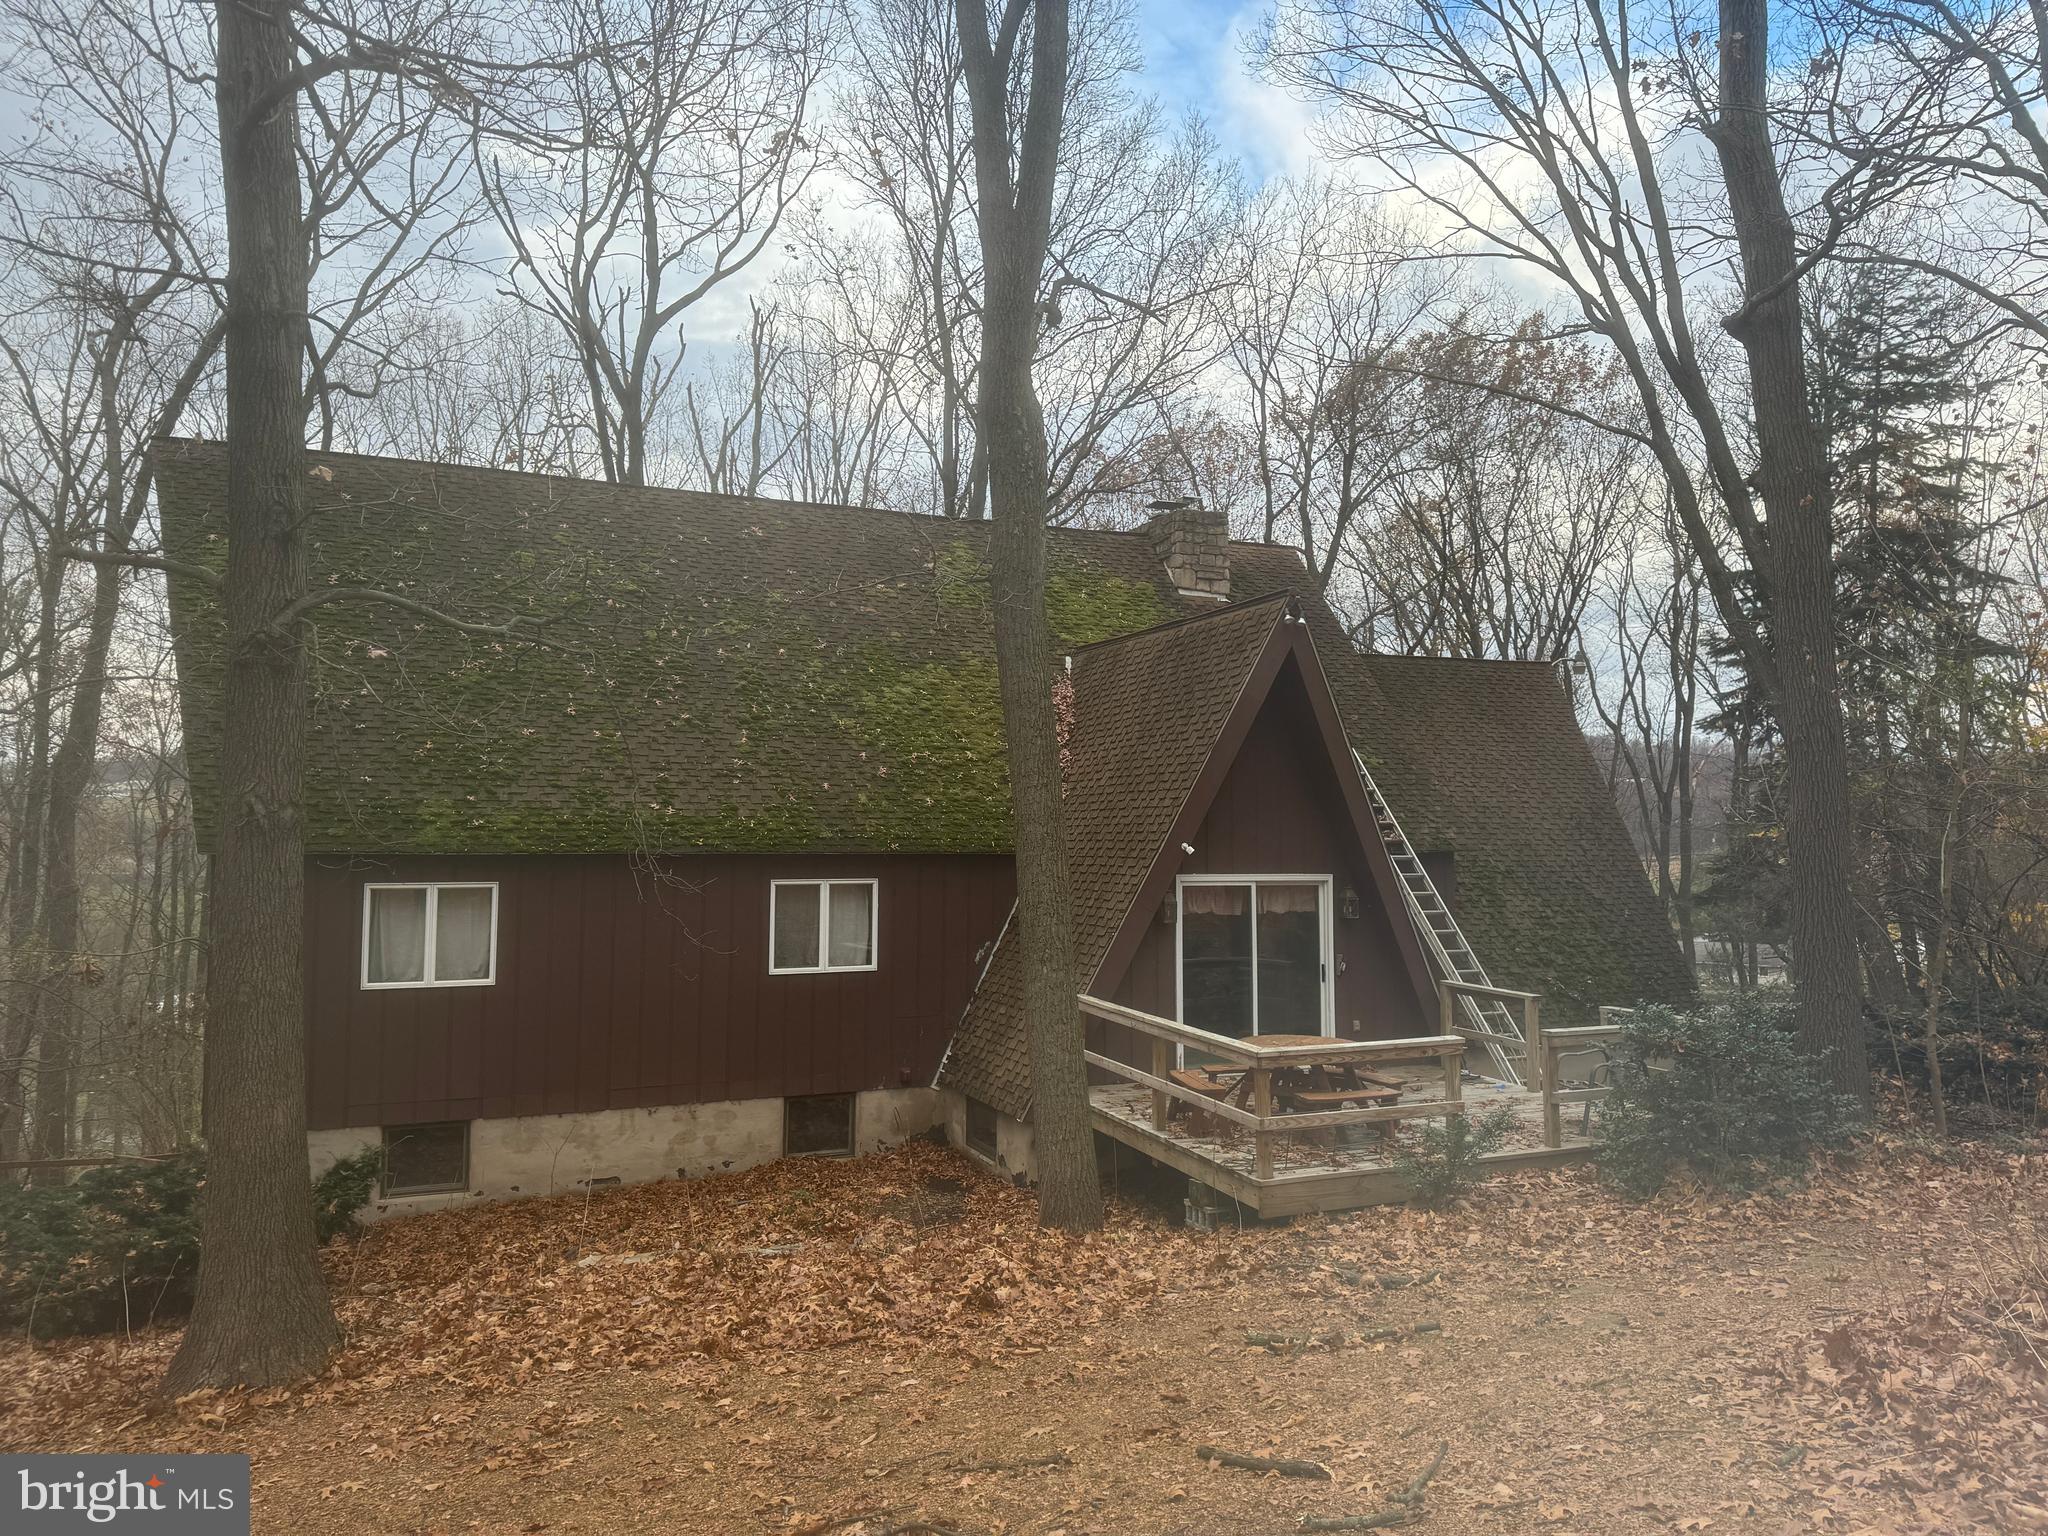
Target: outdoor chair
<point x="1589" y="1067"/>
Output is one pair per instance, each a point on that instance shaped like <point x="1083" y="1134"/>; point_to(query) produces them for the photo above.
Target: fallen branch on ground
<point x="1402" y="1282"/>
<point x="1287" y="1343"/>
<point x="840" y="1522"/>
<point x="1285" y="1466"/>
<point x="1335" y="1338"/>
<point x="1056" y="1459"/>
<point x="906" y="1528"/>
<point x="1403" y="1508"/>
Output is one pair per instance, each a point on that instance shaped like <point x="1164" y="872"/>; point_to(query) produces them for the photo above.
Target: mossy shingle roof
<point x="1550" y="892"/>
<point x="718" y="672"/>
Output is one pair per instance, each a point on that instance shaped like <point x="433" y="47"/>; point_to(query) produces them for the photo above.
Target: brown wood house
<point x="717" y="869"/>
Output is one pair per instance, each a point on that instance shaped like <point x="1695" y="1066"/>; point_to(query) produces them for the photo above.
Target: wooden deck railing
<point x="1261" y="1061"/>
<point x="1553" y="1044"/>
<point x="1530" y="1003"/>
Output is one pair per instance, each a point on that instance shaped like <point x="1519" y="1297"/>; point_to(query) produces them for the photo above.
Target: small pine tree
<point x="1924" y="693"/>
<point x="1443" y="1158"/>
<point x="113" y="1249"/>
<point x="1723" y="1091"/>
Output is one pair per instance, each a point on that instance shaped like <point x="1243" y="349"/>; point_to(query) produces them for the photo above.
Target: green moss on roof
<point x="716" y="672"/>
<point x="1549" y="890"/>
<point x="960" y="577"/>
<point x="1085" y="604"/>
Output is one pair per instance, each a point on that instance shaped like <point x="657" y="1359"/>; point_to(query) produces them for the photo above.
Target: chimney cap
<point x="1176" y="504"/>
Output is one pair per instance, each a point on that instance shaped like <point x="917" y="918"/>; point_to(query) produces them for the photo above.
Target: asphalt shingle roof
<point x="720" y="672"/>
<point x="1148" y="710"/>
<point x="767" y="676"/>
<point x="1551" y="894"/>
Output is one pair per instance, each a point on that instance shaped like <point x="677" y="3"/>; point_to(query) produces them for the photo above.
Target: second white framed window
<point x="822" y="925"/>
<point x="441" y="935"/>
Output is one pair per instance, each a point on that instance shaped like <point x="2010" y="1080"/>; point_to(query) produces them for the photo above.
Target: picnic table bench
<point x="1335" y="1085"/>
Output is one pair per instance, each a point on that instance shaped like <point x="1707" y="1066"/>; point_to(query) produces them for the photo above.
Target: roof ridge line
<point x="1470" y="661"/>
<point x="1246" y="606"/>
<point x="939" y="519"/>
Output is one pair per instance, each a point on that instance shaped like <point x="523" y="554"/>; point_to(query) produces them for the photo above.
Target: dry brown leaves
<point x="1929" y="1402"/>
<point x="1944" y="1398"/>
<point x="909" y="1247"/>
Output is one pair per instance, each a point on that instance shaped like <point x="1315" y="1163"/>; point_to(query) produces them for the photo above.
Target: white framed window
<point x="443" y="934"/>
<point x="821" y="925"/>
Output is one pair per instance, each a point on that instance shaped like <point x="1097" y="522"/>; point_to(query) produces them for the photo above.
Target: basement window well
<point x="818" y="1125"/>
<point x="981" y="1128"/>
<point x="426" y="1159"/>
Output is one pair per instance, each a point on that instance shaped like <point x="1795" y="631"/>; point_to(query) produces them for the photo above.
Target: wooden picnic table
<point x="1331" y="1085"/>
<point x="1323" y="1085"/>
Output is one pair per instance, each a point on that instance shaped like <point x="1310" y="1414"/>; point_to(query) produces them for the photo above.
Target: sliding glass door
<point x="1254" y="955"/>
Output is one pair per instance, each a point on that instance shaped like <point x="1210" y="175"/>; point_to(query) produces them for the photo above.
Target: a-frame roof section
<point x="1158" y="719"/>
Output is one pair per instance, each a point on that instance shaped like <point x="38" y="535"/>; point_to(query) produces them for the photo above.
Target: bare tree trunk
<point x="71" y="776"/>
<point x="1792" y="479"/>
<point x="24" y="874"/>
<point x="1010" y="433"/>
<point x="262" y="1315"/>
<point x="1937" y="975"/>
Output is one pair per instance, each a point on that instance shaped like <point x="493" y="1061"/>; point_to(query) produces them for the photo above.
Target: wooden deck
<point x="1311" y="1177"/>
<point x="1277" y="1152"/>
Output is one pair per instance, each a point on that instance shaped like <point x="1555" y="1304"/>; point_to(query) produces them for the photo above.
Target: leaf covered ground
<point x="892" y="1343"/>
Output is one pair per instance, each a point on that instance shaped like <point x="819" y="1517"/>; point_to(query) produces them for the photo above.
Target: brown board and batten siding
<point x="1279" y="811"/>
<point x="618" y="987"/>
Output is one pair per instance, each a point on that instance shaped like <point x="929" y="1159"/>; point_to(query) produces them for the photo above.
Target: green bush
<point x="114" y="1248"/>
<point x="119" y="1246"/>
<point x="1723" y="1091"/>
<point x="345" y="1188"/>
<point x="1441" y="1161"/>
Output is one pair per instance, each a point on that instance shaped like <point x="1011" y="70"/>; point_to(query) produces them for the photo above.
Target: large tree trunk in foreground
<point x="1063" y="1139"/>
<point x="1792" y="479"/>
<point x="1016" y="221"/>
<point x="262" y="1315"/>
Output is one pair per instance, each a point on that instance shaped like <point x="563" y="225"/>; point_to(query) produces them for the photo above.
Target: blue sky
<point x="1194" y="57"/>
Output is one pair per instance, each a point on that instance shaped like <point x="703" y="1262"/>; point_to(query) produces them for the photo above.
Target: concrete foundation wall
<point x="556" y="1154"/>
<point x="885" y="1116"/>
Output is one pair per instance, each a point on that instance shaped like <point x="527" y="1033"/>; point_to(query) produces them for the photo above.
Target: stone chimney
<point x="1193" y="543"/>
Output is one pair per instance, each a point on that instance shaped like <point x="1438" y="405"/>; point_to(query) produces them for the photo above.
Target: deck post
<point x="1540" y="1060"/>
<point x="1262" y="1106"/>
<point x="1447" y="1011"/>
<point x="1453" y="1063"/>
<point x="1162" y="1066"/>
